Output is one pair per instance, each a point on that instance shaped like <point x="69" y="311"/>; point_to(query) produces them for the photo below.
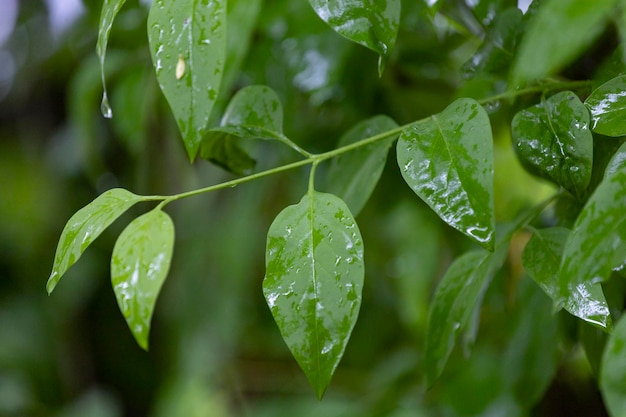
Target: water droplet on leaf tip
<point x="105" y="108"/>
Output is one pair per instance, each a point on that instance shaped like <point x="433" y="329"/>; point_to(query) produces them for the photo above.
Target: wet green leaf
<point x="85" y="226"/>
<point x="354" y="175"/>
<point x="607" y="105"/>
<point x="542" y="258"/>
<point x="139" y="265"/>
<point x="613" y="371"/>
<point x="553" y="141"/>
<point x="187" y="42"/>
<point x="313" y="282"/>
<point x="557" y="34"/>
<point x="371" y="24"/>
<point x="110" y="9"/>
<point x="618" y="160"/>
<point x="448" y="161"/>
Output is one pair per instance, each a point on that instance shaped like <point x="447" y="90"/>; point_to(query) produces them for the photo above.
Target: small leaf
<point x="448" y="161"/>
<point x="354" y="175"/>
<point x="373" y="24"/>
<point x="557" y="34"/>
<point x="313" y="282"/>
<point x="139" y="265"/>
<point x="542" y="257"/>
<point x="613" y="371"/>
<point x="553" y="141"/>
<point x="110" y="9"/>
<point x="607" y="105"/>
<point x="194" y="31"/>
<point x="85" y="226"/>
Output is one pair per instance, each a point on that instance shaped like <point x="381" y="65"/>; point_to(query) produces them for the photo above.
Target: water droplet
<point x="105" y="107"/>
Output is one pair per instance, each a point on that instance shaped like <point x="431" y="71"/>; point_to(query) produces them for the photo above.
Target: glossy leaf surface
<point x="448" y="161"/>
<point x="139" y="265"/>
<point x="110" y="9"/>
<point x="542" y="258"/>
<point x="371" y="24"/>
<point x="553" y="141"/>
<point x="85" y="226"/>
<point x="607" y="105"/>
<point x="313" y="282"/>
<point x="353" y="175"/>
<point x="557" y="34"/>
<point x="192" y="31"/>
<point x="613" y="371"/>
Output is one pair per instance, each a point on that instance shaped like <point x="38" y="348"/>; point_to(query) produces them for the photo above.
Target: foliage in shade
<point x="607" y="105"/>
<point x="613" y="371"/>
<point x="313" y="282"/>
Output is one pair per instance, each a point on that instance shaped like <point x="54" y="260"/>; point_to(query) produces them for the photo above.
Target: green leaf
<point x="557" y="34"/>
<point x="85" y="226"/>
<point x="607" y="105"/>
<point x="542" y="258"/>
<point x="187" y="42"/>
<point x="448" y="161"/>
<point x="139" y="265"/>
<point x="373" y="24"/>
<point x="313" y="282"/>
<point x="110" y="9"/>
<point x="613" y="371"/>
<point x="617" y="161"/>
<point x="553" y="141"/>
<point x="353" y="175"/>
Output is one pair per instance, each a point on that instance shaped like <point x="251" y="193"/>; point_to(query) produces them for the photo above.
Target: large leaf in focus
<point x="373" y="24"/>
<point x="557" y="34"/>
<point x="85" y="226"/>
<point x="313" y="282"/>
<point x="139" y="265"/>
<point x="187" y="41"/>
<point x="599" y="232"/>
<point x="110" y="9"/>
<point x="553" y="141"/>
<point x="353" y="175"/>
<point x="542" y="258"/>
<point x="613" y="371"/>
<point x="448" y="161"/>
<point x="607" y="105"/>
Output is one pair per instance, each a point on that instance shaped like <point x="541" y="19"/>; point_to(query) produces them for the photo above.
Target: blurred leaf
<point x="139" y="265"/>
<point x="353" y="176"/>
<point x="188" y="42"/>
<point x="613" y="371"/>
<point x="542" y="257"/>
<point x="557" y="34"/>
<point x="85" y="226"/>
<point x="371" y="24"/>
<point x="618" y="160"/>
<point x="553" y="141"/>
<point x="448" y="161"/>
<point x="607" y="105"/>
<point x="313" y="282"/>
<point x="110" y="9"/>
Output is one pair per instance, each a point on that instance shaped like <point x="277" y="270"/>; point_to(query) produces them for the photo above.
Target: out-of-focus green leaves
<point x="448" y="161"/>
<point x="553" y="141"/>
<point x="353" y="175"/>
<point x="542" y="258"/>
<point x="139" y="265"/>
<point x="85" y="226"/>
<point x="558" y="32"/>
<point x="371" y="24"/>
<point x="188" y="46"/>
<point x="607" y="105"/>
<point x="613" y="371"/>
<point x="313" y="282"/>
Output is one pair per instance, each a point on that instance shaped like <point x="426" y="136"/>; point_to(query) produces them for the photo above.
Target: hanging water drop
<point x="105" y="107"/>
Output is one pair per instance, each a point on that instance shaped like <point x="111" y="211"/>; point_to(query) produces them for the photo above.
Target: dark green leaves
<point x="313" y="282"/>
<point x="552" y="139"/>
<point x="607" y="105"/>
<point x="85" y="226"/>
<point x="187" y="42"/>
<point x="139" y="264"/>
<point x="613" y="371"/>
<point x="373" y="24"/>
<point x="448" y="161"/>
<point x="354" y="175"/>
